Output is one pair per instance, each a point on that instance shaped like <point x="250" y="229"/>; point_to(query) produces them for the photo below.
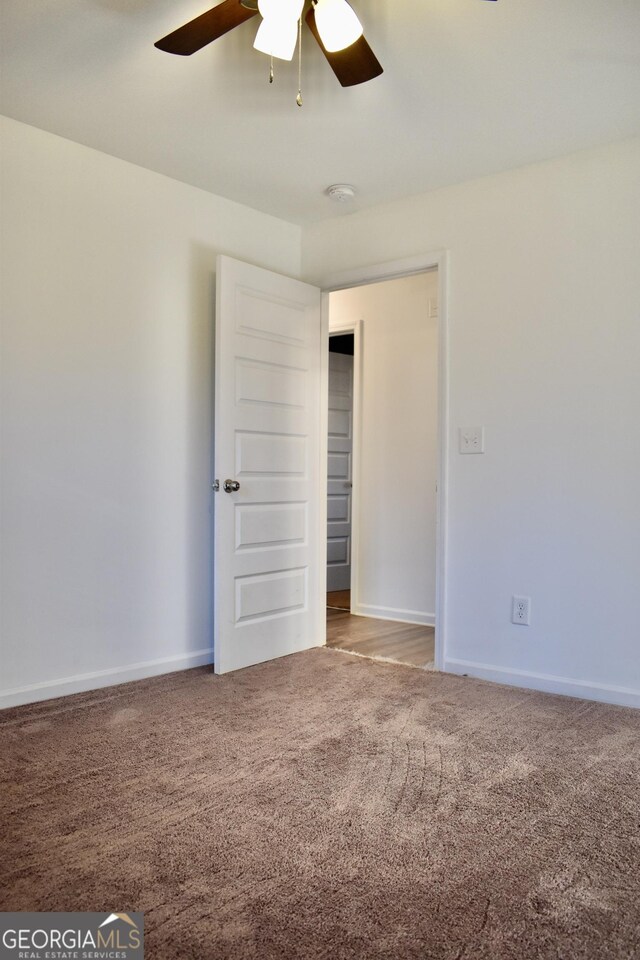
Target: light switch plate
<point x="471" y="439"/>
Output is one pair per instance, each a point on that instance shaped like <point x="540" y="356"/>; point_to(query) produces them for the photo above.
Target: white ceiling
<point x="470" y="88"/>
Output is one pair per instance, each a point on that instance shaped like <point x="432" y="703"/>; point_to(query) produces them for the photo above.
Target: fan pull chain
<point x="299" y="97"/>
<point x="271" y="71"/>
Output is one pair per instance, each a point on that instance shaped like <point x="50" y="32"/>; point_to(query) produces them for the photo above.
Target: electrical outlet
<point x="471" y="439"/>
<point x="521" y="610"/>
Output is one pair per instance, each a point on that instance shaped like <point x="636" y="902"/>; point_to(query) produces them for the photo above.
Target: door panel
<point x="267" y="438"/>
<point x="270" y="525"/>
<point x="339" y="471"/>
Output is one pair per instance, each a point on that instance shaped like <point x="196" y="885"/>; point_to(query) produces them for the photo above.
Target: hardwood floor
<point x="340" y="599"/>
<point x="404" y="642"/>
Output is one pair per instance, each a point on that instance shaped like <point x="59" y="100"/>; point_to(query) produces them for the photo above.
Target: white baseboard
<point x="393" y="613"/>
<point x="547" y="683"/>
<point x="82" y="682"/>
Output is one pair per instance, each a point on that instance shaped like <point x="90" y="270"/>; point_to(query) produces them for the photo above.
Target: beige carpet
<point x="326" y="806"/>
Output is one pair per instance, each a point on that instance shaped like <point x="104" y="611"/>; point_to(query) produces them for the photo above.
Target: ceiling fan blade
<point x="205" y="28"/>
<point x="356" y="64"/>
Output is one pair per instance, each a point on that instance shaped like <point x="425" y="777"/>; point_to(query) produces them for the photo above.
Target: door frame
<point x="375" y="273"/>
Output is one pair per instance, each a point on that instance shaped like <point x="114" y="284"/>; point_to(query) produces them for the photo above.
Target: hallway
<point x="410" y="643"/>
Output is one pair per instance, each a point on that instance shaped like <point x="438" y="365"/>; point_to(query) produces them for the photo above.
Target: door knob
<point x="230" y="486"/>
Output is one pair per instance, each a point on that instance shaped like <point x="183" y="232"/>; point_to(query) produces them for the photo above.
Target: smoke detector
<point x="341" y="192"/>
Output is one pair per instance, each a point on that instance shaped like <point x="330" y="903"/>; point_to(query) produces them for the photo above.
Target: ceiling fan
<point x="354" y="62"/>
<point x="333" y="24"/>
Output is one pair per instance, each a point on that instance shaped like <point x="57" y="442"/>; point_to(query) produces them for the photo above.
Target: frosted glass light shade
<point x="337" y="24"/>
<point x="277" y="38"/>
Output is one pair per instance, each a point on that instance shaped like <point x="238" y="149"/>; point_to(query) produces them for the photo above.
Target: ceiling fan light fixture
<point x="337" y="24"/>
<point x="277" y="38"/>
<point x="281" y="10"/>
<point x="353" y="64"/>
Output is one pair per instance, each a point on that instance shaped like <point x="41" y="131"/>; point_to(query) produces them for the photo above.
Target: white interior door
<point x="268" y="598"/>
<point x="339" y="471"/>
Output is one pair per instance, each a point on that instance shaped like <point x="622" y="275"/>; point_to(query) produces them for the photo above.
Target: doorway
<point x="340" y="469"/>
<point x="270" y="463"/>
<point x="382" y="468"/>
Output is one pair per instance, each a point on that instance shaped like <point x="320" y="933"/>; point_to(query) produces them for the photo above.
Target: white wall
<point x="106" y="410"/>
<point x="544" y="321"/>
<point x="395" y="500"/>
<point x="107" y="318"/>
